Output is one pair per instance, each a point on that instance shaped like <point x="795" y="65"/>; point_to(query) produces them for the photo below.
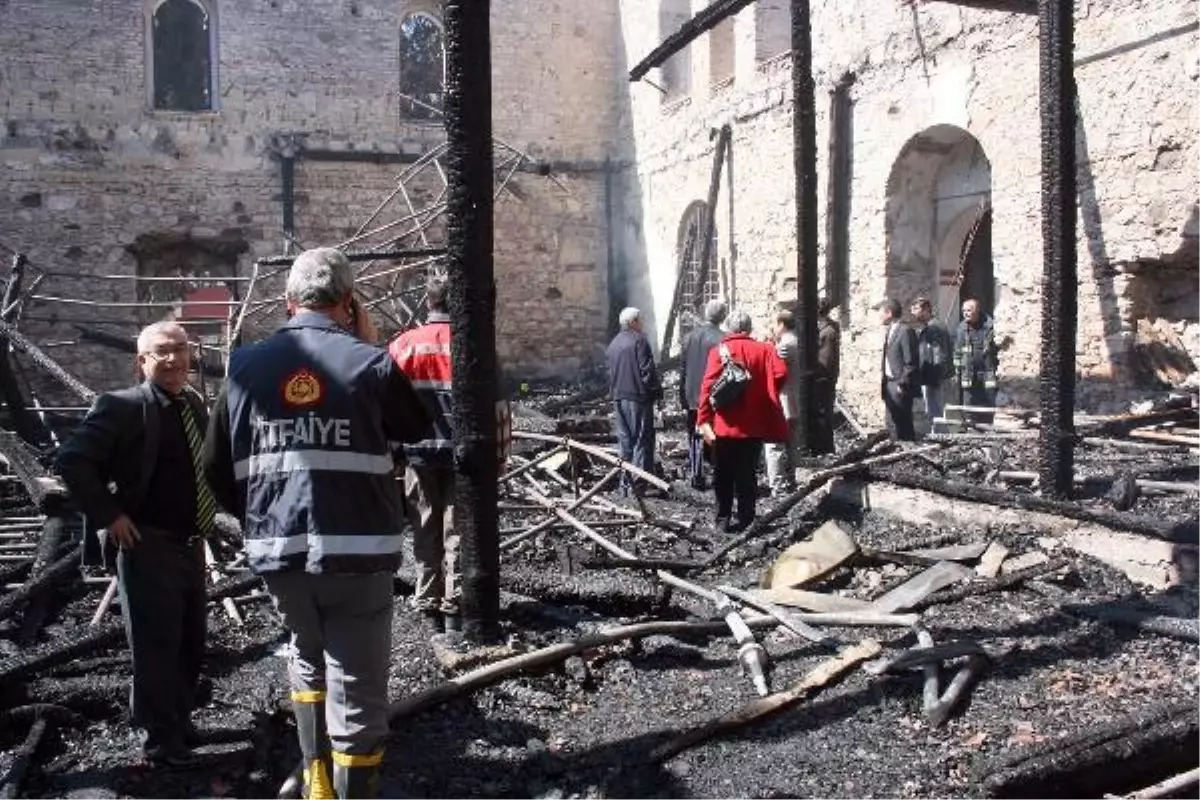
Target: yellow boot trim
<point x="317" y="696"/>
<point x="318" y="783"/>
<point x="352" y="760"/>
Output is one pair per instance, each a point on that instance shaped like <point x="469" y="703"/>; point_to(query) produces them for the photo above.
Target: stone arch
<point x="422" y="45"/>
<point x="695" y="293"/>
<point x="937" y="221"/>
<point x="181" y="54"/>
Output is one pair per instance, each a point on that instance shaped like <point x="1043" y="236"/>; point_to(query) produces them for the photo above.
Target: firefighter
<point x="299" y="449"/>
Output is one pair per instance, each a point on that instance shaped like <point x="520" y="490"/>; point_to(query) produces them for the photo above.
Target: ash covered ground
<point x="586" y="727"/>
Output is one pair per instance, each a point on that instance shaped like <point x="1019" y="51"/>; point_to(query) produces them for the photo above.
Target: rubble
<point x="618" y="673"/>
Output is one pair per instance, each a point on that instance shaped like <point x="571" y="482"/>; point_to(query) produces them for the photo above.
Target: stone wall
<point x="86" y="168"/>
<point x="940" y="67"/>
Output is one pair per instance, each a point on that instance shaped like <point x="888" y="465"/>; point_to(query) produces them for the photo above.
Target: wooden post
<point x="472" y="304"/>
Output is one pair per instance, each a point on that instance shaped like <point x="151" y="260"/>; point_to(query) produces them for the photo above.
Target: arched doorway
<point x="938" y="221"/>
<point x="696" y="291"/>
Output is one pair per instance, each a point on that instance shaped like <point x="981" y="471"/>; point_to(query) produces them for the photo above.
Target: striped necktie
<point x="206" y="506"/>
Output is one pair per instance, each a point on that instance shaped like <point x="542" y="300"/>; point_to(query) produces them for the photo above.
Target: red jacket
<point x="758" y="414"/>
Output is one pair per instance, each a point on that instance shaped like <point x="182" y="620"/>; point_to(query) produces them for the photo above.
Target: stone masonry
<point x="944" y="125"/>
<point x="86" y="169"/>
<point x="945" y="105"/>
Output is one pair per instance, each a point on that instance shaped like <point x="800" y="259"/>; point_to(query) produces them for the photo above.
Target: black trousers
<point x="978" y="395"/>
<point x="735" y="474"/>
<point x="161" y="582"/>
<point x="824" y="393"/>
<point x="898" y="403"/>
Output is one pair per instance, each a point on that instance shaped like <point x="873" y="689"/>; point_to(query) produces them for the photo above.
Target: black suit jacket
<point x="903" y="354"/>
<point x="117" y="443"/>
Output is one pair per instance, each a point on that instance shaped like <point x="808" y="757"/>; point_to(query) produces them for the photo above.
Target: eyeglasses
<point x="160" y="353"/>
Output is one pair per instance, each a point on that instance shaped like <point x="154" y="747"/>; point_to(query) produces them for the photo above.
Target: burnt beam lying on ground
<point x="471" y="298"/>
<point x="706" y="20"/>
<point x="1060" y="290"/>
<point x="1156" y="741"/>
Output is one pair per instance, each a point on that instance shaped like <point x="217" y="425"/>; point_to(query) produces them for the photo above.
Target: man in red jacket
<point x="736" y="433"/>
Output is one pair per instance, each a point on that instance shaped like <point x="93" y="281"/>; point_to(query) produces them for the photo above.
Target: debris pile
<point x="913" y="620"/>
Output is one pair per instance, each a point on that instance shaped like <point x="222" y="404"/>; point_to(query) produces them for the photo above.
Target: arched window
<point x="182" y="45"/>
<point x="676" y="70"/>
<point x="721" y="53"/>
<point x="697" y="290"/>
<point x="772" y="29"/>
<point x="422" y="67"/>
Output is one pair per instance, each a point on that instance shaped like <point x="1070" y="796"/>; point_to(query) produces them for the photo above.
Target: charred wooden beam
<point x="126" y="344"/>
<point x="1011" y="6"/>
<point x="1187" y="629"/>
<point x="29" y="426"/>
<point x="688" y="32"/>
<point x="20" y="342"/>
<point x="804" y="154"/>
<point x="23" y="759"/>
<point x="837" y="194"/>
<point x="365" y="255"/>
<point x="471" y="298"/>
<point x="54" y="530"/>
<point x="990" y="585"/>
<point x="1181" y="531"/>
<point x="59" y="651"/>
<point x="38" y="583"/>
<point x="1127" y="753"/>
<point x="1060" y="290"/>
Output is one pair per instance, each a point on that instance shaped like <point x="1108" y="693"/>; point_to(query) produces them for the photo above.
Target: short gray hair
<point x="738" y="322"/>
<point x="629" y="315"/>
<point x="715" y="311"/>
<point x="166" y="327"/>
<point x="320" y="278"/>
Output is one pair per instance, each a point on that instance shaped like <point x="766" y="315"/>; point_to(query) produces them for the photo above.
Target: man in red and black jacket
<point x="737" y="432"/>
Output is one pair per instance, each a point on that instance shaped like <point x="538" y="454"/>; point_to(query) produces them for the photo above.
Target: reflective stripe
<point x="317" y="546"/>
<point x="312" y="460"/>
<point x="354" y="760"/>
<point x="308" y="696"/>
<point x="437" y="386"/>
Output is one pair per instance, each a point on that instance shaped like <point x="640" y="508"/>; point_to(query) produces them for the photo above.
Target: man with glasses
<point x="146" y="441"/>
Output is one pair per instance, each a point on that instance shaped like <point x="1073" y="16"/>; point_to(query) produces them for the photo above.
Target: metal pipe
<point x="1060" y="300"/>
<point x="471" y="299"/>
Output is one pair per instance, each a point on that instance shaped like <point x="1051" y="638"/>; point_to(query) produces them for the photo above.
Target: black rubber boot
<point x="309" y="708"/>
<point x="356" y="776"/>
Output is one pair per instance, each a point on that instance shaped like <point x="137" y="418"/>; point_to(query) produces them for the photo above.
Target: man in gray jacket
<point x="692" y="363"/>
<point x="781" y="456"/>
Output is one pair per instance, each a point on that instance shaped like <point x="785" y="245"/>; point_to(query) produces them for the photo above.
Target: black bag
<point x="727" y="390"/>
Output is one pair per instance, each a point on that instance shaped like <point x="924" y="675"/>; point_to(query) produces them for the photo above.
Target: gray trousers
<point x="781" y="461"/>
<point x="935" y="407"/>
<point x="163" y="603"/>
<point x="341" y="645"/>
<point x="429" y="492"/>
<point x="635" y="434"/>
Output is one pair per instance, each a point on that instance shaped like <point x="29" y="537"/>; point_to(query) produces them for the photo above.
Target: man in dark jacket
<point x="634" y="387"/>
<point x="146" y="441"/>
<point x="692" y="363"/>
<point x="829" y="346"/>
<point x="300" y="447"/>
<point x="976" y="358"/>
<point x="935" y="346"/>
<point x="899" y="379"/>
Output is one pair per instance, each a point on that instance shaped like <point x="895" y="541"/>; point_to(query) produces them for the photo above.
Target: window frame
<point x="418" y="10"/>
<point x="149" y="8"/>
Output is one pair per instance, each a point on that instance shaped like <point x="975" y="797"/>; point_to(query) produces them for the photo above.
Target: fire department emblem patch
<point x="302" y="388"/>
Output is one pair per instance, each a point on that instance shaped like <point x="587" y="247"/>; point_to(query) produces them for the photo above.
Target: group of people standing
<point x="731" y="438"/>
<point x="765" y="417"/>
<point x="923" y="358"/>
